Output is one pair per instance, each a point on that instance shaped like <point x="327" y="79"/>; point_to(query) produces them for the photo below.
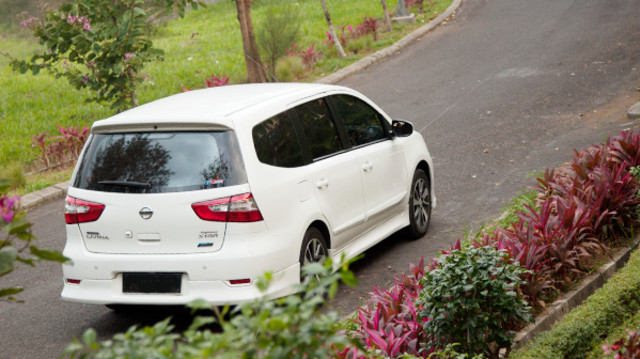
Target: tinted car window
<point x="276" y="142"/>
<point x="160" y="162"/>
<point x="319" y="128"/>
<point x="362" y="123"/>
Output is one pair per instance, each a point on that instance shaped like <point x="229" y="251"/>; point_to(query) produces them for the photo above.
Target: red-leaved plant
<point x="214" y="80"/>
<point x="627" y="347"/>
<point x="389" y="323"/>
<point x="581" y="208"/>
<point x="368" y="25"/>
<point x="309" y="56"/>
<point x="57" y="150"/>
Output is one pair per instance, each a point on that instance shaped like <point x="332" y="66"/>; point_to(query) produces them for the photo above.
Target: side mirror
<point x="401" y="128"/>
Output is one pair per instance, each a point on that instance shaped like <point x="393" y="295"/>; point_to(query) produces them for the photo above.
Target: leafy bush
<point x="582" y="328"/>
<point x="359" y="45"/>
<point x="100" y="45"/>
<point x="289" y="327"/>
<point x="471" y="298"/>
<point x="13" y="172"/>
<point x="16" y="238"/>
<point x="279" y="29"/>
<point x="290" y="69"/>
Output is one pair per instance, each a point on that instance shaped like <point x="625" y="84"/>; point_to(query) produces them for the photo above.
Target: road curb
<point x="33" y="199"/>
<point x="558" y="309"/>
<point x="633" y="113"/>
<point x="388" y="51"/>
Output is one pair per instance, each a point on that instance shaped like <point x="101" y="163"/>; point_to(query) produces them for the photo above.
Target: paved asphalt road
<point x="505" y="88"/>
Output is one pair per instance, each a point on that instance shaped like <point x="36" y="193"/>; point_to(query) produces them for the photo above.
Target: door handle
<point x="367" y="166"/>
<point x="322" y="183"/>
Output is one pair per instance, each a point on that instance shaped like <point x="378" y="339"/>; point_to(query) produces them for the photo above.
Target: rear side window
<point x="321" y="132"/>
<point x="276" y="142"/>
<point x="160" y="162"/>
<point x="361" y="122"/>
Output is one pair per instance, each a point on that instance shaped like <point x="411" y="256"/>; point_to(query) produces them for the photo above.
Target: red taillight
<point x="240" y="281"/>
<point x="241" y="208"/>
<point x="72" y="281"/>
<point x="79" y="211"/>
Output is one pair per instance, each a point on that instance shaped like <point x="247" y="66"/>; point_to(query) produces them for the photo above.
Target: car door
<point x="379" y="159"/>
<point x="335" y="174"/>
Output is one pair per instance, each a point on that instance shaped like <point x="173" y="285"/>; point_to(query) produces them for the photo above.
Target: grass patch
<point x="205" y="42"/>
<point x="579" y="332"/>
<point x="40" y="180"/>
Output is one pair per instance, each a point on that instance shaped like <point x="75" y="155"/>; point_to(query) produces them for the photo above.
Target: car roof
<point x="211" y="108"/>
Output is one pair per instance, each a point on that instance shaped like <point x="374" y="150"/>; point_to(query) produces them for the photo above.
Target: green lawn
<point x="205" y="42"/>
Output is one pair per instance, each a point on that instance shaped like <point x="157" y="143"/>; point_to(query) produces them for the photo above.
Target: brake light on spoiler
<point x="240" y="208"/>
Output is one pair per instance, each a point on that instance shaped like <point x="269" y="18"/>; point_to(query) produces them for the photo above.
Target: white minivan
<point x="197" y="195"/>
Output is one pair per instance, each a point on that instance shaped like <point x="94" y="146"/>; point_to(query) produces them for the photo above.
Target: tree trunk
<point x="255" y="71"/>
<point x="336" y="40"/>
<point x="387" y="17"/>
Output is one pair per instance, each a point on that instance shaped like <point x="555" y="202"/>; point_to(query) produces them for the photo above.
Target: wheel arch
<point x="322" y="227"/>
<point x="424" y="166"/>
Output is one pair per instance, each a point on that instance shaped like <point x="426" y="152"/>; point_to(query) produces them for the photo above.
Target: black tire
<point x="419" y="205"/>
<point x="314" y="248"/>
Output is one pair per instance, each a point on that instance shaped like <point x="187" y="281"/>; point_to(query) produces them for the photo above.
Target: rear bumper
<point x="205" y="276"/>
<point x="109" y="291"/>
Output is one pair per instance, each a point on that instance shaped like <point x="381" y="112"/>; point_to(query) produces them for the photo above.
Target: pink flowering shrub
<point x="8" y="207"/>
<point x="627" y="347"/>
<point x="103" y="46"/>
<point x="80" y="20"/>
<point x="16" y="239"/>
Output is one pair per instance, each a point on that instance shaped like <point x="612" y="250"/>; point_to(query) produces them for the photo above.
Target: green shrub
<point x="289" y="327"/>
<point x="13" y="172"/>
<point x="290" y="68"/>
<point x="581" y="330"/>
<point x="279" y="30"/>
<point x="360" y="45"/>
<point x="471" y="298"/>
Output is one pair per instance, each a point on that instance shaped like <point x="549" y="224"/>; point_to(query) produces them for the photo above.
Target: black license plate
<point x="151" y="282"/>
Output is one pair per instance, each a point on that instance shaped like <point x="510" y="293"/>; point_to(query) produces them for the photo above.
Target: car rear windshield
<point x="144" y="162"/>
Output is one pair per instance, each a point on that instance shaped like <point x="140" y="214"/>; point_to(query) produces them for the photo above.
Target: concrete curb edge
<point x="558" y="309"/>
<point x="388" y="51"/>
<point x="633" y="113"/>
<point x="33" y="199"/>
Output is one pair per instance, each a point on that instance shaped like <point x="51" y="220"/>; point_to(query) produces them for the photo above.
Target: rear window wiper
<point x="145" y="185"/>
